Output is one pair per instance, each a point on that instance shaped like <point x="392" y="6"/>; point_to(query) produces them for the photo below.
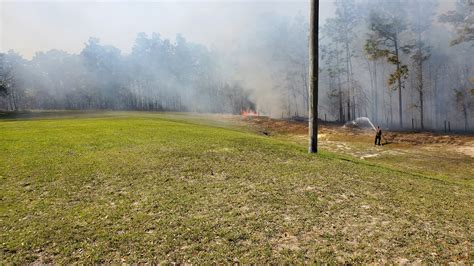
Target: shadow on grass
<point x="20" y="115"/>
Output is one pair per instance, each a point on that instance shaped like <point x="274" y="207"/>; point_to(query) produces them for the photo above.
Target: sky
<point x="31" y="26"/>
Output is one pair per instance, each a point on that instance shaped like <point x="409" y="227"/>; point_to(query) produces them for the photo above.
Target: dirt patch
<point x="274" y="125"/>
<point x="468" y="149"/>
<point x="329" y="131"/>
<point x="427" y="138"/>
<point x="286" y="242"/>
<point x="369" y="156"/>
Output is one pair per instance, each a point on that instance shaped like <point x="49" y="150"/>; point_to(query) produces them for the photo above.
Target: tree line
<point x="426" y="77"/>
<point x="401" y="63"/>
<point x="158" y="75"/>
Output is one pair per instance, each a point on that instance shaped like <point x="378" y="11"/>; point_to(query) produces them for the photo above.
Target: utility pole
<point x="313" y="76"/>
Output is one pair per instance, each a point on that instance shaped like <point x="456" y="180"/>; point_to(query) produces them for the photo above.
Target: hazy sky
<point x="30" y="26"/>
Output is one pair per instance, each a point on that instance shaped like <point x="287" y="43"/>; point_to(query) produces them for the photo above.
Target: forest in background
<point x="158" y="75"/>
<point x="401" y="63"/>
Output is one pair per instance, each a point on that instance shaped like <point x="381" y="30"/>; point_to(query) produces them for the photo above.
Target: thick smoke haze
<point x="225" y="56"/>
<point x="29" y="27"/>
<point x="224" y="26"/>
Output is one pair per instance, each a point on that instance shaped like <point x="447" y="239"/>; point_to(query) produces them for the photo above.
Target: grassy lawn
<point x="144" y="187"/>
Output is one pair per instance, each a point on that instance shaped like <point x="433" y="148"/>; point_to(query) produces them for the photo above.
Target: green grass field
<point x="144" y="187"/>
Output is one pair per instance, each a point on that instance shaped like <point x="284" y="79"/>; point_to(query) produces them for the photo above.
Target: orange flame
<point x="248" y="113"/>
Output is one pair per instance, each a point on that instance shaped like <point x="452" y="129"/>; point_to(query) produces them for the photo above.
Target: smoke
<point x="249" y="52"/>
<point x="225" y="27"/>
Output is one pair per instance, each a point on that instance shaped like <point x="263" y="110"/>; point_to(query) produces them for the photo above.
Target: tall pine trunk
<point x="349" y="83"/>
<point x="420" y="78"/>
<point x="399" y="79"/>
<point x="341" y="104"/>
<point x="376" y="103"/>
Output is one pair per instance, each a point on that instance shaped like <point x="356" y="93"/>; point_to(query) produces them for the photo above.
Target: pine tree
<point x="384" y="41"/>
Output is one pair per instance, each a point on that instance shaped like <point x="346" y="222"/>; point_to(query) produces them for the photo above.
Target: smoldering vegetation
<point x="404" y="64"/>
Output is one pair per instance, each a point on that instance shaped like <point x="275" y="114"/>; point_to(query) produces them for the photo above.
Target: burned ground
<point x="436" y="154"/>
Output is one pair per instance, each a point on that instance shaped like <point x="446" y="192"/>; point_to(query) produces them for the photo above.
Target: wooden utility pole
<point x="313" y="76"/>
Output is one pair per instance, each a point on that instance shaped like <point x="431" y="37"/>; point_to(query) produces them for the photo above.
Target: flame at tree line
<point x="249" y="112"/>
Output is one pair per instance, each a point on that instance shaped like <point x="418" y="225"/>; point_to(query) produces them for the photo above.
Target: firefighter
<point x="378" y="136"/>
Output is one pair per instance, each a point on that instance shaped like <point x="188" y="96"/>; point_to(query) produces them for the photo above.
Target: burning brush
<point x="248" y="113"/>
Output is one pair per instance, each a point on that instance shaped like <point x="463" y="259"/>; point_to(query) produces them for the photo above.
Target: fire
<point x="248" y="113"/>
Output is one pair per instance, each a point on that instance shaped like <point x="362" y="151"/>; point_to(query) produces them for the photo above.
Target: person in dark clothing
<point x="378" y="136"/>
